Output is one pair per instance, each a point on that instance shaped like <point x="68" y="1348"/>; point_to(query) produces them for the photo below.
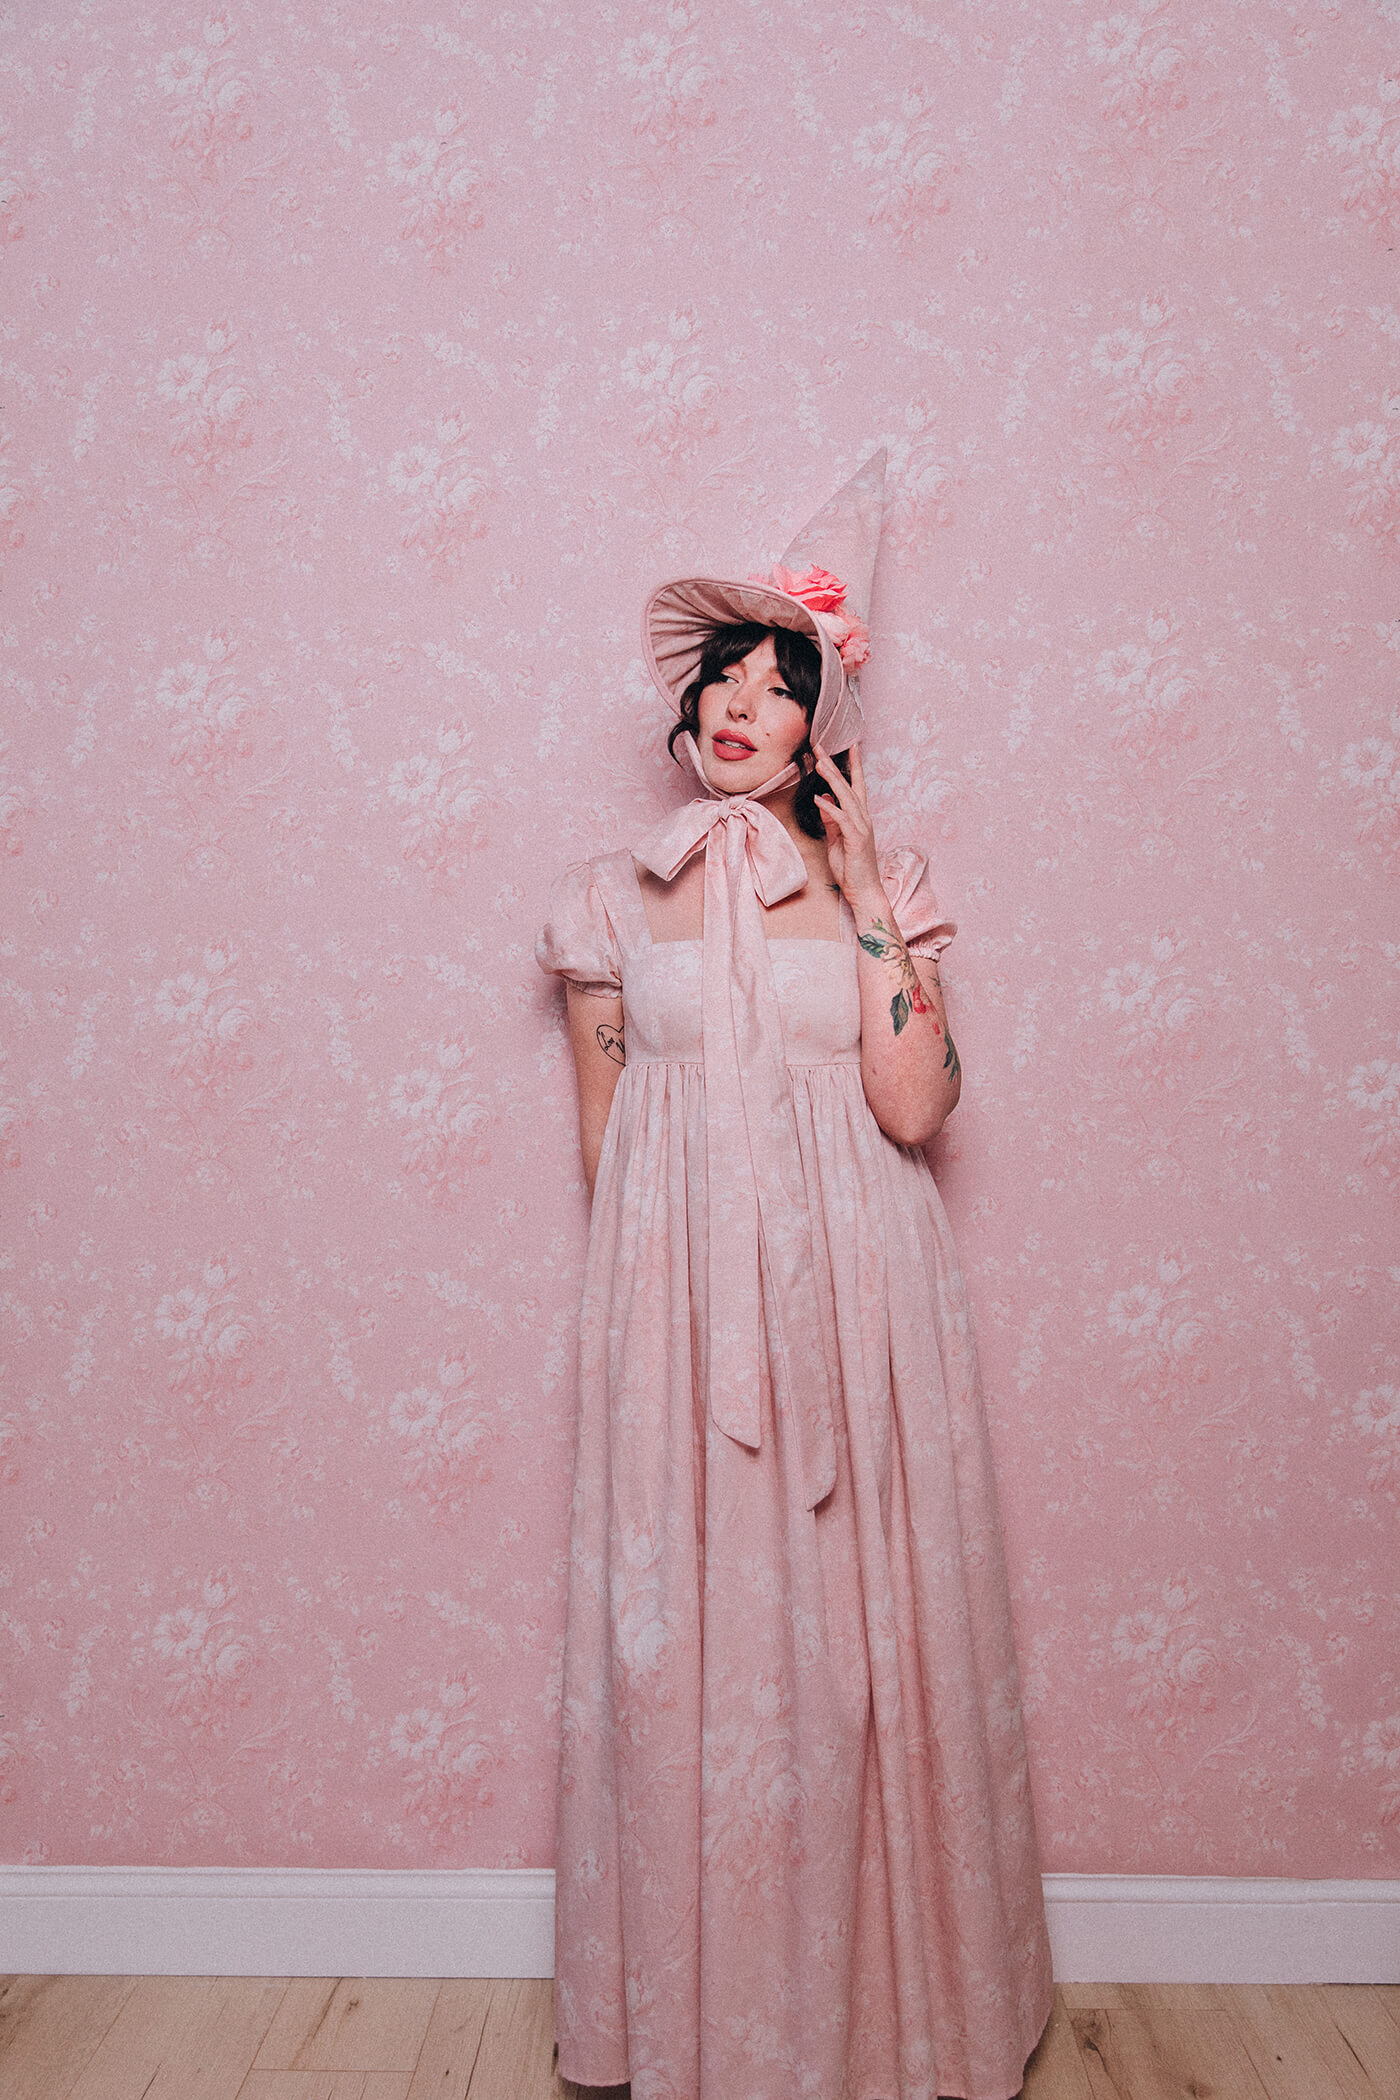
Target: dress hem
<point x="998" y="2092"/>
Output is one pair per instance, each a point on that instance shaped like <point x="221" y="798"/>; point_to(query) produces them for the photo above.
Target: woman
<point x="797" y="1852"/>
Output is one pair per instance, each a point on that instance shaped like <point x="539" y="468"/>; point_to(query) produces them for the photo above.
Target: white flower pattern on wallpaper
<point x="445" y="1120"/>
<point x="1369" y="451"/>
<point x="11" y="494"/>
<point x="446" y="1760"/>
<point x="1374" y="1089"/>
<point x="1368" y="136"/>
<point x="675" y="390"/>
<point x="1153" y="693"/>
<point x="203" y="1656"/>
<point x="207" y="703"/>
<point x="207" y="1017"/>
<point x="210" y="404"/>
<point x="15" y="805"/>
<point x="446" y="1428"/>
<point x="445" y="802"/>
<point x="209" y="97"/>
<point x="667" y="76"/>
<point x="208" y="1340"/>
<point x="362" y="376"/>
<point x="908" y="166"/>
<point x="1371" y="769"/>
<point x="443" y="494"/>
<point x="1148" y="377"/>
<point x="442" y="184"/>
<point x="1143" y="61"/>
<point x="1159" y="1017"/>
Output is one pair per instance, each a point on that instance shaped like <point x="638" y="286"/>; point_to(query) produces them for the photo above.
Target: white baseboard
<point x="350" y="1921"/>
<point x="276" y="1921"/>
<point x="1187" y="1928"/>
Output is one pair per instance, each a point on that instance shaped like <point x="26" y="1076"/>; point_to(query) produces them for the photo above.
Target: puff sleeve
<point x="578" y="941"/>
<point x="906" y="879"/>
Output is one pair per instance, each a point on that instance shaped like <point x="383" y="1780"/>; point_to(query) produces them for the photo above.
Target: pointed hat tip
<point x="845" y="532"/>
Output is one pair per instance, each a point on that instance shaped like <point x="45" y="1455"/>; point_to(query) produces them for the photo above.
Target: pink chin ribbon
<point x="760" y="1241"/>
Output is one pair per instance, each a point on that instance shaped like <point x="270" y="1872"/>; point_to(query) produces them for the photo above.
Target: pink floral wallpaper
<point x="362" y="368"/>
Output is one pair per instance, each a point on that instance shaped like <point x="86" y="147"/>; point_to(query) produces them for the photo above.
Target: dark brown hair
<point x="799" y="667"/>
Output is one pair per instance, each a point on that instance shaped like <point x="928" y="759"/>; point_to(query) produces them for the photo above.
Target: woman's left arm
<point x="908" y="1065"/>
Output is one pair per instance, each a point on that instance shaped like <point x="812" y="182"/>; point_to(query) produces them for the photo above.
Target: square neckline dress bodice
<point x="817" y="998"/>
<point x="796" y="1843"/>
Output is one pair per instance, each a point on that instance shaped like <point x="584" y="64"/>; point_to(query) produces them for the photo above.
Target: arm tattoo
<point x="909" y="999"/>
<point x="887" y="945"/>
<point x="611" y="1044"/>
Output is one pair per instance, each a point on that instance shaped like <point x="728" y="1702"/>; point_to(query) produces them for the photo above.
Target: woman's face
<point x="750" y="724"/>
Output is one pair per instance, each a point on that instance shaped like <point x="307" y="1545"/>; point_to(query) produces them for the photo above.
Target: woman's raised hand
<point x="850" y="835"/>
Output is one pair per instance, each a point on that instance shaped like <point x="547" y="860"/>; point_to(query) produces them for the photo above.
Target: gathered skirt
<point x="796" y="1846"/>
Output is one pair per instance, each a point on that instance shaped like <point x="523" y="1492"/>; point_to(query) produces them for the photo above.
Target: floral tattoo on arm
<point x="886" y="944"/>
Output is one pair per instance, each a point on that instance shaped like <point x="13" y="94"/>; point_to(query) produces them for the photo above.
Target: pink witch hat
<point x="820" y="588"/>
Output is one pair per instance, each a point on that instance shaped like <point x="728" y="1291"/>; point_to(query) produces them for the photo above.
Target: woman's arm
<point x="908" y="1065"/>
<point x="595" y="1034"/>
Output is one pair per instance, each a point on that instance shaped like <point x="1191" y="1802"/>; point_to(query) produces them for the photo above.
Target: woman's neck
<point x="783" y="804"/>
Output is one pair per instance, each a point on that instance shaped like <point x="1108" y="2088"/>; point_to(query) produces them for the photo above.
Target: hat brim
<point x="680" y="616"/>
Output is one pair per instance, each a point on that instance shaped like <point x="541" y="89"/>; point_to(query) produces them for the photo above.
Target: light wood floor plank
<point x="1165" y="2056"/>
<point x="54" y="2025"/>
<point x="213" y="2058"/>
<point x="449" y="2052"/>
<point x="1389" y="1996"/>
<point x="1282" y="2049"/>
<point x="360" y="2023"/>
<point x="17" y="1996"/>
<point x="1368" y="2031"/>
<point x="181" y="2038"/>
<point x="325" y="2085"/>
<point x="1056" y="2069"/>
<point x="1090" y="1997"/>
<point x="1193" y="2033"/>
<point x="1306" y="2005"/>
<point x="516" y="2057"/>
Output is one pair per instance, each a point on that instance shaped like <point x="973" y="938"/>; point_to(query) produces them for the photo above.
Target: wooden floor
<point x="252" y="2038"/>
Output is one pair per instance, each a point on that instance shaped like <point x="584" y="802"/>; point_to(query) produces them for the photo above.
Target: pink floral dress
<point x="796" y="1844"/>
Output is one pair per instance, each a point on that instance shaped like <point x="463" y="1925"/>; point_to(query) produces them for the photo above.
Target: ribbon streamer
<point x="760" y="1243"/>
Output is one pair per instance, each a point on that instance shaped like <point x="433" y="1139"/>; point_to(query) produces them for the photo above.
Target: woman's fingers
<point x="832" y="774"/>
<point x="850" y="794"/>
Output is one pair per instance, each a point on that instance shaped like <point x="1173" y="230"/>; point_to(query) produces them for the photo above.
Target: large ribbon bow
<point x="760" y="1243"/>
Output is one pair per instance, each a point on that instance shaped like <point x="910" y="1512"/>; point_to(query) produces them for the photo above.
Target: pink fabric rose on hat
<point x="824" y="595"/>
<point x="818" y="589"/>
<point x="851" y="636"/>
